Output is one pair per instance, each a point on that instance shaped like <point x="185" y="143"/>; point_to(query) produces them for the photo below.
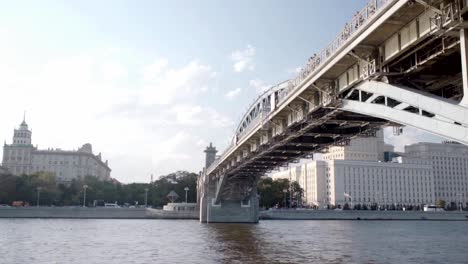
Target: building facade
<point x="3" y="170"/>
<point x="385" y="183"/>
<point x="21" y="157"/>
<point x="357" y="174"/>
<point x="449" y="163"/>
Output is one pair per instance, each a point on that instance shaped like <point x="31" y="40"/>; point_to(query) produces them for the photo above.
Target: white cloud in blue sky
<point x="151" y="83"/>
<point x="243" y="59"/>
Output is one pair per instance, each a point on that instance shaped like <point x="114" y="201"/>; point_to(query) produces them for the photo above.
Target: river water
<point x="188" y="241"/>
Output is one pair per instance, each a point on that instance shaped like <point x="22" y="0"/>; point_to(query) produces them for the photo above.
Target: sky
<point x="151" y="83"/>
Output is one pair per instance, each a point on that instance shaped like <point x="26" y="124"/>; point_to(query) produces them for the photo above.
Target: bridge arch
<point x="406" y="106"/>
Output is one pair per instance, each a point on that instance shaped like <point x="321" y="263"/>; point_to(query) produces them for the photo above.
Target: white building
<point x="356" y="174"/>
<point x="365" y="148"/>
<point x="371" y="182"/>
<point x="3" y="170"/>
<point x="22" y="157"/>
<point x="449" y="163"/>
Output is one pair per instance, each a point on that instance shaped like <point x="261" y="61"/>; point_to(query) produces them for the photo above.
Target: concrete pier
<point x="229" y="211"/>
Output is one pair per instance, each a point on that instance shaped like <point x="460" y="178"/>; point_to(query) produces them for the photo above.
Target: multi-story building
<point x="3" y="170"/>
<point x="369" y="182"/>
<point x="21" y="157"/>
<point x="357" y="174"/>
<point x="449" y="163"/>
<point x="364" y="148"/>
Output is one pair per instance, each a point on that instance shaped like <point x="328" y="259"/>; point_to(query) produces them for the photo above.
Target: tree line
<point x="279" y="193"/>
<point x="53" y="192"/>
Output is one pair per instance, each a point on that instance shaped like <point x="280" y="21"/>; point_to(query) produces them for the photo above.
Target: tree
<point x="297" y="192"/>
<point x="271" y="192"/>
<point x="24" y="188"/>
<point x="346" y="206"/>
<point x="440" y="203"/>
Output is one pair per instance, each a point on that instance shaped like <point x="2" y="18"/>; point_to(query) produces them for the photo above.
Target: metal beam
<point x="427" y="5"/>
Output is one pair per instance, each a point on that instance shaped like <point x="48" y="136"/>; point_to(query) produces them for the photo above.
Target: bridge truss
<point x="398" y="62"/>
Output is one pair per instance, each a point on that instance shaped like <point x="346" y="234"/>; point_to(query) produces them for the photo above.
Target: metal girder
<point x="303" y="144"/>
<point x="296" y="148"/>
<point x="320" y="89"/>
<point x="440" y="106"/>
<point x="312" y="140"/>
<point x="450" y="120"/>
<point x="427" y="5"/>
<point x="285" y="151"/>
<point x="286" y="154"/>
<point x="333" y="135"/>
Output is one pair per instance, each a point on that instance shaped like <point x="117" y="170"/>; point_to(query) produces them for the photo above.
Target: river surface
<point x="188" y="241"/>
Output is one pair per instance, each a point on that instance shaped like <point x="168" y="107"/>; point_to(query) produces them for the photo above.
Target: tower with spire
<point x="210" y="155"/>
<point x="22" y="135"/>
<point x="18" y="156"/>
<point x="21" y="157"/>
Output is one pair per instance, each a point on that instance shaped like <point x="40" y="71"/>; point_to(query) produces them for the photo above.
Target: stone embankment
<point x="361" y="215"/>
<point x="148" y="213"/>
<point x="93" y="213"/>
<point x="73" y="212"/>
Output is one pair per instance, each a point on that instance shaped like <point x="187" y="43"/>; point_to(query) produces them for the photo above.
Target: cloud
<point x="152" y="71"/>
<point x="409" y="136"/>
<point x="166" y="85"/>
<point x="131" y="111"/>
<point x="233" y="93"/>
<point x="259" y="85"/>
<point x="294" y="71"/>
<point x="243" y="59"/>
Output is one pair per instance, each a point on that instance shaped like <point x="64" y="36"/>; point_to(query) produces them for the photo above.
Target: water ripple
<point x="185" y="241"/>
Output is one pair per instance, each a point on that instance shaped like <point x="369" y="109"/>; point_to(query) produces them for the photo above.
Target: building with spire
<point x="21" y="157"/>
<point x="210" y="155"/>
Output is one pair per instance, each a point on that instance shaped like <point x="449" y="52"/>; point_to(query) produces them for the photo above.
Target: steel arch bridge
<point x="397" y="63"/>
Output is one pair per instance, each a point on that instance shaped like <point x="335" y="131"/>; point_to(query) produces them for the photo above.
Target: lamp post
<point x="186" y="189"/>
<point x="285" y="191"/>
<point x="38" y="195"/>
<point x="459" y="195"/>
<point x="146" y="197"/>
<point x="84" y="194"/>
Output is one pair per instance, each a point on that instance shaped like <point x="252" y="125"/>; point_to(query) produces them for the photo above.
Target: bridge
<point x="397" y="63"/>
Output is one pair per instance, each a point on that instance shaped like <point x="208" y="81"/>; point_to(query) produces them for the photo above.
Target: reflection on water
<point x="236" y="243"/>
<point x="184" y="241"/>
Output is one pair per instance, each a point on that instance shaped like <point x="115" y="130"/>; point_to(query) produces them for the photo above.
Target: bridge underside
<point x="412" y="70"/>
<point x="232" y="197"/>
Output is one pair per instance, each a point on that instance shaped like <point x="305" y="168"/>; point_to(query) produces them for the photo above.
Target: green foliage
<point x="440" y="203"/>
<point x="174" y="182"/>
<point x="272" y="192"/>
<point x="24" y="188"/>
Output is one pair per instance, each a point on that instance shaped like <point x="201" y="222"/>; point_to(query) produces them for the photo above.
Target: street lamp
<point x="285" y="191"/>
<point x="146" y="197"/>
<point x="84" y="194"/>
<point x="186" y="189"/>
<point x="459" y="195"/>
<point x="38" y="195"/>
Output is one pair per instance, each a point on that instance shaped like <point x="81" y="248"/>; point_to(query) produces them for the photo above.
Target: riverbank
<point x="361" y="215"/>
<point x="73" y="212"/>
<point x="149" y="213"/>
<point x="93" y="213"/>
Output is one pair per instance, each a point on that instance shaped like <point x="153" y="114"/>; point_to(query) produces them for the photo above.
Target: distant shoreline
<point x="362" y="215"/>
<point x="149" y="213"/>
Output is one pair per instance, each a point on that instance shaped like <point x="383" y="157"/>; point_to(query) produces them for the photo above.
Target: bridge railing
<point x="360" y="19"/>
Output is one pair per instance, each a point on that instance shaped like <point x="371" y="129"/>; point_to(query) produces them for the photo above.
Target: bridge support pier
<point x="246" y="211"/>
